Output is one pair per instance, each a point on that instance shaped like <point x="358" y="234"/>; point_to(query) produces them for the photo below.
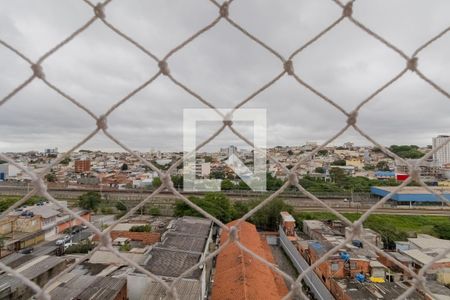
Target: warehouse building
<point x="411" y="195"/>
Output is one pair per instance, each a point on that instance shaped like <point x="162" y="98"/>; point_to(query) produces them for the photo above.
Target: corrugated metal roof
<point x="172" y="263"/>
<point x="42" y="266"/>
<point x="192" y="225"/>
<point x="85" y="287"/>
<point x="108" y="258"/>
<point x="143" y="288"/>
<point x="189" y="243"/>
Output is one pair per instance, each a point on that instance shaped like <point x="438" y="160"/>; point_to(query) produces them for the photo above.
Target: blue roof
<point x="403" y="196"/>
<point x="318" y="247"/>
<point x="384" y="174"/>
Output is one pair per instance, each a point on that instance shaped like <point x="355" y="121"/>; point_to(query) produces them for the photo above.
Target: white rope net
<point x="99" y="14"/>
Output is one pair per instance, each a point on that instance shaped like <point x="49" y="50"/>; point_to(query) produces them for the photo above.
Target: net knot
<point x="233" y="234"/>
<point x="171" y="294"/>
<point x="415" y="173"/>
<point x="228" y="119"/>
<point x="167" y="181"/>
<point x="42" y="295"/>
<point x="289" y="67"/>
<point x="348" y="9"/>
<point x="40" y="186"/>
<point x="37" y="71"/>
<point x="296" y="289"/>
<point x="164" y="67"/>
<point x="99" y="12"/>
<point x="412" y="64"/>
<point x="102" y="123"/>
<point x="105" y="240"/>
<point x="224" y="9"/>
<point x="352" y="117"/>
<point x="293" y="178"/>
<point x="420" y="282"/>
<point x="357" y="230"/>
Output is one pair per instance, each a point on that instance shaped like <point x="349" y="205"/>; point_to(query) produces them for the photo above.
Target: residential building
<point x="8" y="171"/>
<point x="182" y="246"/>
<point x="442" y="156"/>
<point x="82" y="166"/>
<point x="39" y="270"/>
<point x="429" y="170"/>
<point x="424" y="248"/>
<point x="288" y="223"/>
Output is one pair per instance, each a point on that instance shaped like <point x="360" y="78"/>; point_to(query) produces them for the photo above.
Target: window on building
<point x="334" y="267"/>
<point x="353" y="265"/>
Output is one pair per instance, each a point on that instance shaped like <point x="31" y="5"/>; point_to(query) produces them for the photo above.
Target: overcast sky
<point x="98" y="68"/>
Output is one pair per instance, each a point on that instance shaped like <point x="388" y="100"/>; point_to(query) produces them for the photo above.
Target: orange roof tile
<point x="240" y="275"/>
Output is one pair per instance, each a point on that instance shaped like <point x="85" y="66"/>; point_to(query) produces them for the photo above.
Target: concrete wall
<point x="6" y="226"/>
<point x="27" y="224"/>
<point x="72" y="222"/>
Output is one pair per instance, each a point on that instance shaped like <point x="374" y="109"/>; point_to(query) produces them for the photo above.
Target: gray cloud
<point x="98" y="68"/>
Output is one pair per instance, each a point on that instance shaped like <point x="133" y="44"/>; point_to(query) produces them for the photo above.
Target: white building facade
<point x="442" y="156"/>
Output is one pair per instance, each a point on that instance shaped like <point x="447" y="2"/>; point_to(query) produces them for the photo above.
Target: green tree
<point x="177" y="181"/>
<point x="273" y="183"/>
<point x="90" y="200"/>
<point x="156" y="183"/>
<point x="124" y="167"/>
<point x="217" y="204"/>
<point x="243" y="186"/>
<point x="443" y="231"/>
<point x="125" y="247"/>
<point x="290" y="152"/>
<point x="319" y="170"/>
<point x="240" y="209"/>
<point x="217" y="175"/>
<point x="65" y="161"/>
<point x="268" y="217"/>
<point x="120" y="206"/>
<point x="322" y="152"/>
<point x="339" y="162"/>
<point x="407" y="151"/>
<point x="227" y="185"/>
<point x="141" y="228"/>
<point x="337" y="174"/>
<point x="369" y="167"/>
<point x="50" y="177"/>
<point x="382" y="165"/>
<point x="154" y="211"/>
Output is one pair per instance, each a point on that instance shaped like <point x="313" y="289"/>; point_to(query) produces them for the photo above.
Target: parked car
<point x="27" y="213"/>
<point x="27" y="250"/>
<point x="64" y="240"/>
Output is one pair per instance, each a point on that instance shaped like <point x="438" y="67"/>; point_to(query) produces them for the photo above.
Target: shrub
<point x="141" y="228"/>
<point x="84" y="247"/>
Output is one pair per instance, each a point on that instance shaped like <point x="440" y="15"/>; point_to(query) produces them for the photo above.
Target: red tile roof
<point x="241" y="276"/>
